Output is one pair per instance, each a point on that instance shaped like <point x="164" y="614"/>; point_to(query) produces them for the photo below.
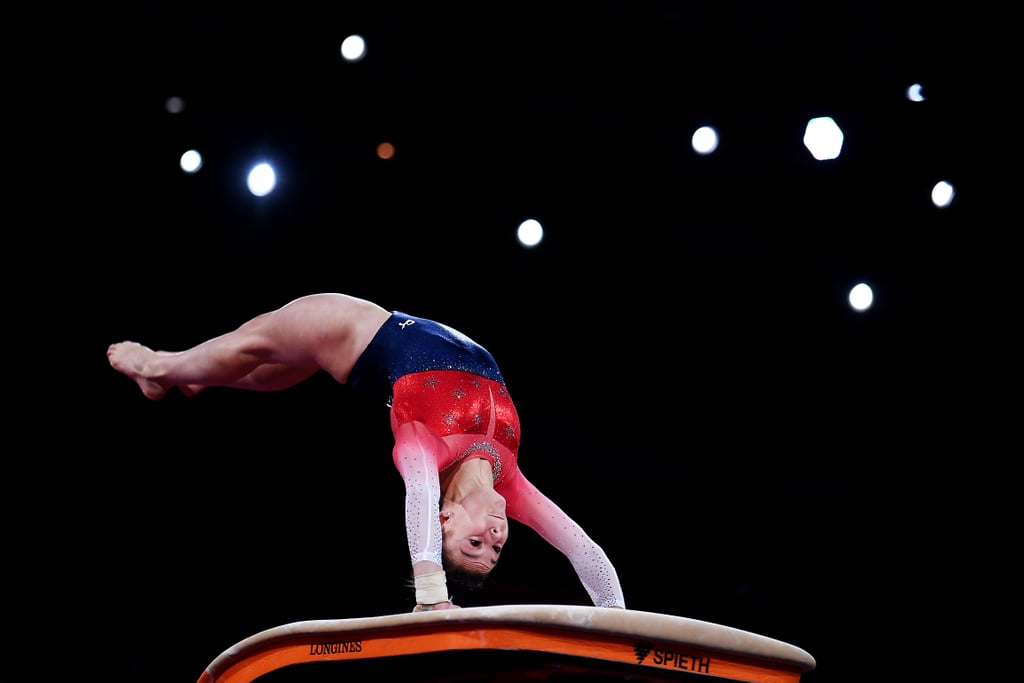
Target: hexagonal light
<point x="823" y="138"/>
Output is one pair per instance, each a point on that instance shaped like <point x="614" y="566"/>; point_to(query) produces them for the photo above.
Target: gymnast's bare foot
<point x="130" y="358"/>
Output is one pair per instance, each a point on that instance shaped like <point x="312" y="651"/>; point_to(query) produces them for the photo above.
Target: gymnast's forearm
<point x="598" y="576"/>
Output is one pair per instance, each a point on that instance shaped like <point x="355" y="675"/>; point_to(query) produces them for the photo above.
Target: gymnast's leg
<point x="237" y="359"/>
<point x="273" y="351"/>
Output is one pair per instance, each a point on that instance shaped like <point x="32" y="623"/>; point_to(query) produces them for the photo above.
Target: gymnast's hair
<point x="460" y="576"/>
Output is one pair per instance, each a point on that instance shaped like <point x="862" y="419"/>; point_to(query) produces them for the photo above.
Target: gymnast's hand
<point x="447" y="604"/>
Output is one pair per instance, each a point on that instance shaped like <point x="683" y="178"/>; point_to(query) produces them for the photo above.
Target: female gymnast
<point x="456" y="430"/>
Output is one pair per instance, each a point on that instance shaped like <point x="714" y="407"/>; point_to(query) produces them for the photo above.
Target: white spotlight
<point x="191" y="161"/>
<point x="861" y="297"/>
<point x="262" y="179"/>
<point x="530" y="232"/>
<point x="704" y="140"/>
<point x="823" y="138"/>
<point x="353" y="48"/>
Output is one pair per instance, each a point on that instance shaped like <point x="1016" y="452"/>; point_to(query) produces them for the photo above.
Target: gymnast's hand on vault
<point x="448" y="604"/>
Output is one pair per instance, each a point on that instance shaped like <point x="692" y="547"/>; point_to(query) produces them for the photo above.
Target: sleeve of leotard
<point x="525" y="503"/>
<point x="416" y="459"/>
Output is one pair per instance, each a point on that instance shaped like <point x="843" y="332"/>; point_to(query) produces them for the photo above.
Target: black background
<point x="693" y="390"/>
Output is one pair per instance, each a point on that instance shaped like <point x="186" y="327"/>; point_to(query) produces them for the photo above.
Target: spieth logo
<point x="641" y="650"/>
<point x="670" y="658"/>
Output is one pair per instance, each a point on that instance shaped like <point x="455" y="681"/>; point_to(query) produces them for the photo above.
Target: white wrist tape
<point x="431" y="588"/>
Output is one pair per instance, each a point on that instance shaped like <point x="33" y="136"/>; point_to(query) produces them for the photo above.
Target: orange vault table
<point x="509" y="643"/>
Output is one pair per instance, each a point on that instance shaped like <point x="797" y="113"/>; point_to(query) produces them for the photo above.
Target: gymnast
<point x="456" y="430"/>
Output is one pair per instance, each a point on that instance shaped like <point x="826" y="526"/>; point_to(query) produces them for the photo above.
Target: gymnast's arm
<point x="526" y="504"/>
<point x="416" y="459"/>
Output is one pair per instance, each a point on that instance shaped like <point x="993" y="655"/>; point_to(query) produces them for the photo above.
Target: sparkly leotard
<point x="449" y="402"/>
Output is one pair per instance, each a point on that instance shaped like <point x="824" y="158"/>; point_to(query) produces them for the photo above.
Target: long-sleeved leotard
<point x="449" y="402"/>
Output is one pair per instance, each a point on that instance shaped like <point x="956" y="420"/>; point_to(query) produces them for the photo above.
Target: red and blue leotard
<point x="449" y="402"/>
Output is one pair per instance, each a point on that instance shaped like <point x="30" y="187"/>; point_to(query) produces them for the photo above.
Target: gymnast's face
<point x="474" y="535"/>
